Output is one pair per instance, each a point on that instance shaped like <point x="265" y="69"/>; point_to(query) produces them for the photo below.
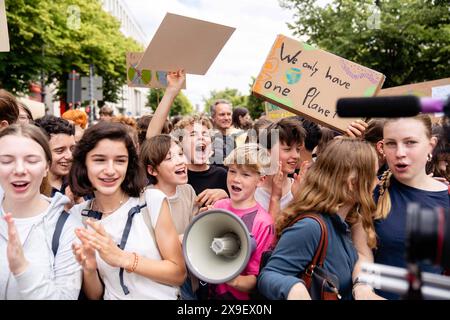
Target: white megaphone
<point x="217" y="246"/>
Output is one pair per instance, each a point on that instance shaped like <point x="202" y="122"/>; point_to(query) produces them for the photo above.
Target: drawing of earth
<point x="293" y="76"/>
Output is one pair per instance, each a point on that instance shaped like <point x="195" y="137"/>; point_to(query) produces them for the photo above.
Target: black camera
<point x="428" y="235"/>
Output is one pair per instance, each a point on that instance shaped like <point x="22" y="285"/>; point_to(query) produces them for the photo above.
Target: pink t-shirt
<point x="260" y="224"/>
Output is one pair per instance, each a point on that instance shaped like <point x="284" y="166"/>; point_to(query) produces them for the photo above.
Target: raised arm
<point x="175" y="81"/>
<point x="356" y="129"/>
<point x="276" y="193"/>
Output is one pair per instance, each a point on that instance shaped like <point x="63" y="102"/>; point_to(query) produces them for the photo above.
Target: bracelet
<point x="135" y="263"/>
<point x="359" y="282"/>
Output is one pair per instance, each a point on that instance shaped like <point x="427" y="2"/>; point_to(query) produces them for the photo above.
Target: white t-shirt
<point x="263" y="198"/>
<point x="48" y="276"/>
<point x="139" y="241"/>
<point x="23" y="225"/>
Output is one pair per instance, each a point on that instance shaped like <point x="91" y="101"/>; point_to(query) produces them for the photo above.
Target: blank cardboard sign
<point x="144" y="78"/>
<point x="4" y="39"/>
<point x="309" y="81"/>
<point x="185" y="43"/>
<point x="434" y="89"/>
<point x="422" y="89"/>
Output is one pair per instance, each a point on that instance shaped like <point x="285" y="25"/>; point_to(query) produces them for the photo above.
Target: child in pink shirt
<point x="246" y="171"/>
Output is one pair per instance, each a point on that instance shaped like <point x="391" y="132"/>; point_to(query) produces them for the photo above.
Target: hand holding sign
<point x="308" y="81"/>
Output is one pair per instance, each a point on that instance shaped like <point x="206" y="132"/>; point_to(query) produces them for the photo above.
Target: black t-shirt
<point x="222" y="146"/>
<point x="213" y="178"/>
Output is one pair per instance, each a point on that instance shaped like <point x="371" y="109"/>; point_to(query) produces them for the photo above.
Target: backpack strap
<point x="321" y="250"/>
<point x="89" y="213"/>
<point x="58" y="230"/>
<point x="147" y="219"/>
<point x="123" y="241"/>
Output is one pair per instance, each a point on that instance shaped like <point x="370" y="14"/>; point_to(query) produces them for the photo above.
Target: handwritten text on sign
<point x="309" y="81"/>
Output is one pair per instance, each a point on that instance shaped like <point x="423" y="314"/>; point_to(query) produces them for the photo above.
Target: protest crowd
<point x="109" y="207"/>
<point x="99" y="211"/>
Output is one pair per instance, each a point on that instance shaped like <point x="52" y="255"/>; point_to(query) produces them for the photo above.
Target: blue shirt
<point x="295" y="250"/>
<point x="391" y="232"/>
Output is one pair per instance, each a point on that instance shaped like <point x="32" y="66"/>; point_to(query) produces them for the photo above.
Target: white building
<point x="132" y="100"/>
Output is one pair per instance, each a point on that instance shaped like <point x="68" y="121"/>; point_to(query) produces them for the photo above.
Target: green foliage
<point x="411" y="45"/>
<point x="43" y="38"/>
<point x="232" y="95"/>
<point x="254" y="105"/>
<point x="181" y="105"/>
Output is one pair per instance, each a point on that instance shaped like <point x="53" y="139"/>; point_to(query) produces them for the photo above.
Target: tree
<point x="232" y="95"/>
<point x="411" y="43"/>
<point x="44" y="39"/>
<point x="181" y="105"/>
<point x="255" y="105"/>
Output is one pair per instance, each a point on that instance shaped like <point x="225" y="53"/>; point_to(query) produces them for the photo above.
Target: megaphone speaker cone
<point x="217" y="246"/>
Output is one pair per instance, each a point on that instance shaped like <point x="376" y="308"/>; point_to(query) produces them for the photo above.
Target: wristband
<point x="135" y="263"/>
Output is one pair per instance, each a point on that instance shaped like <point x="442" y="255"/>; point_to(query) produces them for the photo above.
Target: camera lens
<point x="428" y="235"/>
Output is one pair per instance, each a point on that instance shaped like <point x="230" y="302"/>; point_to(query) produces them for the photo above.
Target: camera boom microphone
<point x="395" y="279"/>
<point x="390" y="106"/>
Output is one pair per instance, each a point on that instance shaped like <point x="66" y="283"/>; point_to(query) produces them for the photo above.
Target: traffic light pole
<point x="91" y="92"/>
<point x="73" y="88"/>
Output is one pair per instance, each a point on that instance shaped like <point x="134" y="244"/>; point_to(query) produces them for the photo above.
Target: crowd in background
<point x="99" y="211"/>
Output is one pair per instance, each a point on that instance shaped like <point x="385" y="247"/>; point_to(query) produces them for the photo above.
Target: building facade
<point x="132" y="100"/>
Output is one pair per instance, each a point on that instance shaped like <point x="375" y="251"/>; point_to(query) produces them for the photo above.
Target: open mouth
<point x="64" y="164"/>
<point x="200" y="148"/>
<point x="236" y="189"/>
<point x="181" y="171"/>
<point x="401" y="167"/>
<point x="108" y="181"/>
<point x="20" y="185"/>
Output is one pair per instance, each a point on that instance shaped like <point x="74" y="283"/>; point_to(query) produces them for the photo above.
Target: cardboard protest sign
<point x="308" y="81"/>
<point x="4" y="39"/>
<point x="440" y="91"/>
<point x="422" y="89"/>
<point x="185" y="43"/>
<point x="435" y="89"/>
<point x="144" y="78"/>
<point x="274" y="112"/>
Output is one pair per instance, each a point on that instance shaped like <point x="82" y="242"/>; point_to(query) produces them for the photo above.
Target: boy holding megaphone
<point x="247" y="168"/>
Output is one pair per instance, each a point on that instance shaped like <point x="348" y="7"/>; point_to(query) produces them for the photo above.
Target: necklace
<point x="111" y="211"/>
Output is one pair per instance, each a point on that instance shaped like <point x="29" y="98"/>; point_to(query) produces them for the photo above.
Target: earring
<point x="429" y="157"/>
